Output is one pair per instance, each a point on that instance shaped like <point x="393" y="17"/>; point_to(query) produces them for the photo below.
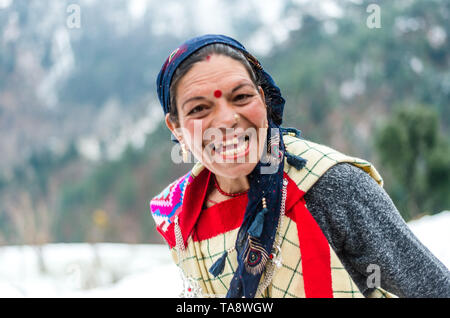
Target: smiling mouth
<point x="232" y="148"/>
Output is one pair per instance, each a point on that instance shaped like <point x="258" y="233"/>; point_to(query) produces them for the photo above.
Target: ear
<point x="173" y="127"/>
<point x="261" y="93"/>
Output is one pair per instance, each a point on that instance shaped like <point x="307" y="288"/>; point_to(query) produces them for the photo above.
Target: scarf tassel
<point x="296" y="161"/>
<point x="291" y="131"/>
<point x="217" y="268"/>
<point x="256" y="228"/>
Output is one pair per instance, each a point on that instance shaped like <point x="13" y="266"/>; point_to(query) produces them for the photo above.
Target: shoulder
<point x="168" y="202"/>
<point x="319" y="159"/>
<point x="345" y="183"/>
<point x="345" y="176"/>
<point x="347" y="204"/>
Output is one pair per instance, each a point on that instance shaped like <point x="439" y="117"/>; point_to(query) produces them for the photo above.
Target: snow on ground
<point x="434" y="232"/>
<point x="123" y="270"/>
<point x="86" y="270"/>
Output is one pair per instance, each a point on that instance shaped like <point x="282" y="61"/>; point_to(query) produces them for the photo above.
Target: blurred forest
<point x="83" y="146"/>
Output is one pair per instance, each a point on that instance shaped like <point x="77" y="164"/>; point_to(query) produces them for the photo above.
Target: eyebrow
<point x="202" y="98"/>
<point x="192" y="99"/>
<point x="240" y="86"/>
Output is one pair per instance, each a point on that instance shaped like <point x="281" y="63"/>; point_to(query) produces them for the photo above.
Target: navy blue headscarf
<point x="272" y="92"/>
<point x="257" y="233"/>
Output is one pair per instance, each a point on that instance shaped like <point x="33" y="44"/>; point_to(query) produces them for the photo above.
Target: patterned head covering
<point x="255" y="240"/>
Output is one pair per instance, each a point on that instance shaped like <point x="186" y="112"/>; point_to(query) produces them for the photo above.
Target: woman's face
<point x="208" y="98"/>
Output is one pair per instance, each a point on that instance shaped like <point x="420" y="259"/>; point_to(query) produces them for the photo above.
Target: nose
<point x="225" y="115"/>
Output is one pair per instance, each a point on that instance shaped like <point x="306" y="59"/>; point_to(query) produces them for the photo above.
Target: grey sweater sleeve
<point x="364" y="227"/>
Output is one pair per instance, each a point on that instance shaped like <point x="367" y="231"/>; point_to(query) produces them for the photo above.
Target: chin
<point x="233" y="172"/>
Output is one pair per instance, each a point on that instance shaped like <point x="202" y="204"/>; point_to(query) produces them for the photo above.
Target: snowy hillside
<point x="121" y="270"/>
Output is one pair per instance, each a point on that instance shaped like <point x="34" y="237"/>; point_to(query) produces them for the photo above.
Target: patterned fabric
<point x="320" y="159"/>
<point x="287" y="281"/>
<point x="168" y="204"/>
<point x="297" y="276"/>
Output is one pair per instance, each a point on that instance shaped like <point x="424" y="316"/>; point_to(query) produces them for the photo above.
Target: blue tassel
<point x="287" y="130"/>
<point x="217" y="268"/>
<point x="256" y="228"/>
<point x="296" y="161"/>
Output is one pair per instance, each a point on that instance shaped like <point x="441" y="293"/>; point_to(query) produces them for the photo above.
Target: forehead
<point x="217" y="72"/>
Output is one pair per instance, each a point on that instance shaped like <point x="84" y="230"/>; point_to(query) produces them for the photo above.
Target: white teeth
<point x="236" y="144"/>
<point x="230" y="142"/>
<point x="232" y="152"/>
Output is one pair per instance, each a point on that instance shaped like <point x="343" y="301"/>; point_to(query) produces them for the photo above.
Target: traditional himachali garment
<point x="306" y="266"/>
<point x="267" y="243"/>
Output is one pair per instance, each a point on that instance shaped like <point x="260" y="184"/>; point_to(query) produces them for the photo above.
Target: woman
<point x="264" y="213"/>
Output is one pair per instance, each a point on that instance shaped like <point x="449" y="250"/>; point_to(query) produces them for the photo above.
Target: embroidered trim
<point x="165" y="205"/>
<point x="178" y="237"/>
<point x="275" y="262"/>
<point x="255" y="257"/>
<point x="191" y="287"/>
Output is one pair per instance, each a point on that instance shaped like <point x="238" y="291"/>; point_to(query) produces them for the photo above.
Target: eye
<point x="196" y="109"/>
<point x="242" y="97"/>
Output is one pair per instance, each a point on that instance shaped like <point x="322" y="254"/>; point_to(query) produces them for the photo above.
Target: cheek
<point x="193" y="133"/>
<point x="256" y="114"/>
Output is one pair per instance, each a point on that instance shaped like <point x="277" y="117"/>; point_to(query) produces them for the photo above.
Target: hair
<point x="201" y="55"/>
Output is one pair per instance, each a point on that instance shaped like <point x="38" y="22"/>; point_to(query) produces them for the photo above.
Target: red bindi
<point x="217" y="93"/>
<point x="208" y="57"/>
